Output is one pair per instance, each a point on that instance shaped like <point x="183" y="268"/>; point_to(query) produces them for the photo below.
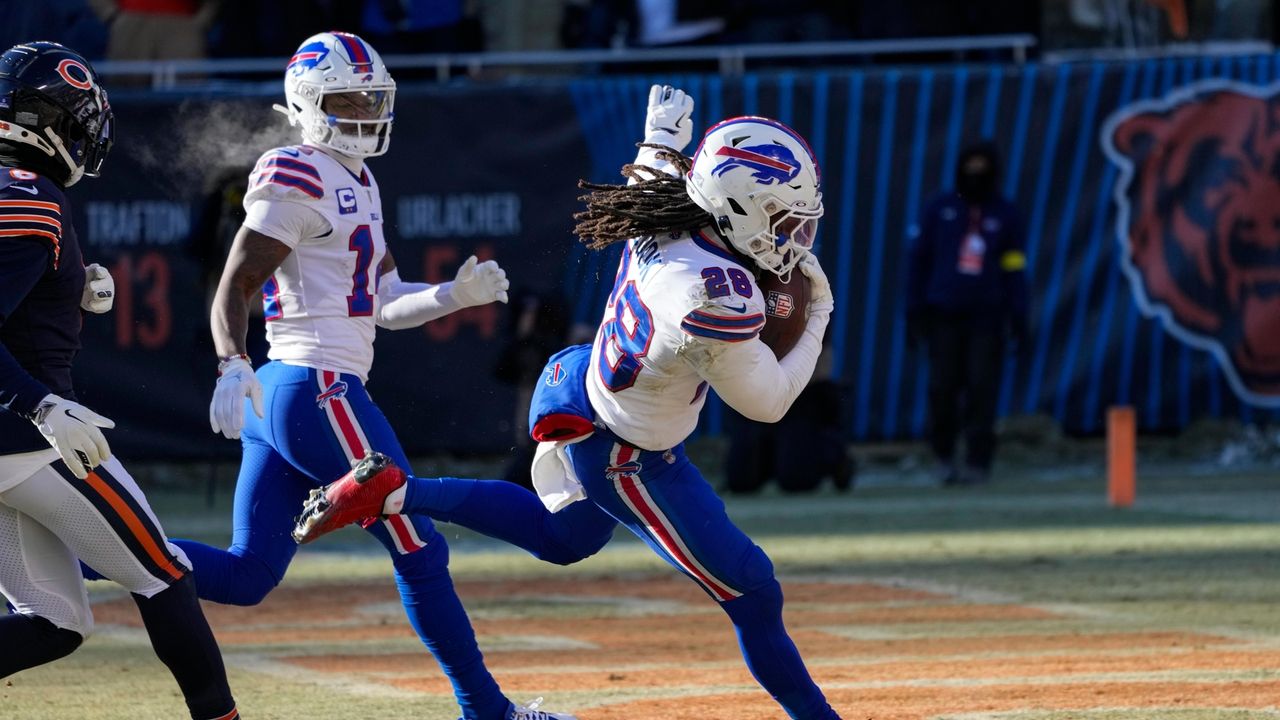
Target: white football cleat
<point x="531" y="712"/>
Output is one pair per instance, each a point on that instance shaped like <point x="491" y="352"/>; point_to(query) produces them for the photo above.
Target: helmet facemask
<point x="353" y="122"/>
<point x="789" y="233"/>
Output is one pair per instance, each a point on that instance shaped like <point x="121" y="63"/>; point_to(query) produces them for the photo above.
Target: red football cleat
<point x="353" y="497"/>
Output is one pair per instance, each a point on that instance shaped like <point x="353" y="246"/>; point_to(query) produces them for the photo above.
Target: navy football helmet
<point x="54" y="114"/>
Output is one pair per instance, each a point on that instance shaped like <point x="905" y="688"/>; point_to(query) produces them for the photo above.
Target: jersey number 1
<point x="360" y="301"/>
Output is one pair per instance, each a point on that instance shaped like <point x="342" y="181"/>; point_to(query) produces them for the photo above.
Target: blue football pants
<point x="316" y="422"/>
<point x="663" y="499"/>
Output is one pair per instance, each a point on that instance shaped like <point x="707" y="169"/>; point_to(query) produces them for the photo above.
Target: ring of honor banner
<point x="1149" y="190"/>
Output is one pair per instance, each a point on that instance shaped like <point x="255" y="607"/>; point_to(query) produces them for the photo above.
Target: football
<point x="785" y="305"/>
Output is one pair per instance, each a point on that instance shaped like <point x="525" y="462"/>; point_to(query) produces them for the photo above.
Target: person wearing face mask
<point x="966" y="305"/>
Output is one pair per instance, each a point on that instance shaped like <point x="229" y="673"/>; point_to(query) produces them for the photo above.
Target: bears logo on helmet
<point x="55" y="118"/>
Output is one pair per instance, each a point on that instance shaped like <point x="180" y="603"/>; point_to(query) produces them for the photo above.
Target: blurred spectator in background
<point x="157" y="29"/>
<point x="938" y="18"/>
<point x="251" y="28"/>
<point x="537" y="329"/>
<point x="596" y="23"/>
<point x="768" y="21"/>
<point x="420" y="26"/>
<point x="521" y="25"/>
<point x="966" y="297"/>
<point x="643" y="23"/>
<point x="70" y="22"/>
<point x="679" y="22"/>
<point x="799" y="451"/>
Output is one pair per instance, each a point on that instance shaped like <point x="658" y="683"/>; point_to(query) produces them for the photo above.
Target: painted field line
<point x="264" y="665"/>
<point x="1109" y="620"/>
<point x="1222" y="677"/>
<point x="1030" y="655"/>
<point x="1166" y="713"/>
<point x="1238" y="504"/>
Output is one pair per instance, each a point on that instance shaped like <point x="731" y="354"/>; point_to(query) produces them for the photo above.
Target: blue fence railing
<point x="1153" y="281"/>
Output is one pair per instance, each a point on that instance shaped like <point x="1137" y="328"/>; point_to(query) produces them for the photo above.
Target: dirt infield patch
<point x="659" y="648"/>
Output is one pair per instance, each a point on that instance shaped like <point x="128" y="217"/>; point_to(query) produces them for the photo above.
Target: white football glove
<point x="669" y="120"/>
<point x="479" y="283"/>
<point x="99" y="289"/>
<point x="820" y="298"/>
<point x="235" y="381"/>
<point x="72" y="430"/>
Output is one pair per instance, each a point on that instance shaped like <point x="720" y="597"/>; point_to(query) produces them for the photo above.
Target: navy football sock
<point x="235" y="576"/>
<point x="437" y="615"/>
<point x="182" y="640"/>
<point x="514" y="515"/>
<point x="30" y="640"/>
<point x="771" y="655"/>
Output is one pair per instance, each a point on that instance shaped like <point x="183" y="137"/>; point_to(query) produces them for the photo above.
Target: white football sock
<point x="395" y="501"/>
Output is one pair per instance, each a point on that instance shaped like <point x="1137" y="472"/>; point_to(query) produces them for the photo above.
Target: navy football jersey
<point x="41" y="283"/>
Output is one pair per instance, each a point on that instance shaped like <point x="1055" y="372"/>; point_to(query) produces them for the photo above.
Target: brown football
<point x="785" y="303"/>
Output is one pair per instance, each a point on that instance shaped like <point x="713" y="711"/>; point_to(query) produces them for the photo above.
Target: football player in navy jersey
<point x="62" y="496"/>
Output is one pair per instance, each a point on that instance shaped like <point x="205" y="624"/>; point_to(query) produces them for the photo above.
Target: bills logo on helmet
<point x="769" y="164"/>
<point x="1199" y="222"/>
<point x="307" y="57"/>
<point x="338" y="389"/>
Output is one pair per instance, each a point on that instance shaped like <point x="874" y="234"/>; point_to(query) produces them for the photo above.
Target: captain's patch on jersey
<point x="346" y="200"/>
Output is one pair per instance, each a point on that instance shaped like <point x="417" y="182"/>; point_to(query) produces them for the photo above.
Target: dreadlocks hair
<point x="656" y="203"/>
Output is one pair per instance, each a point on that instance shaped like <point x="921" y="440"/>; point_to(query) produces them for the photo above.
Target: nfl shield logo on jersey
<point x="779" y="304"/>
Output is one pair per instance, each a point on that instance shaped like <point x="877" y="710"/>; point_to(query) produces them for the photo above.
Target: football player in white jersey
<point x="312" y="243"/>
<point x="611" y="417"/>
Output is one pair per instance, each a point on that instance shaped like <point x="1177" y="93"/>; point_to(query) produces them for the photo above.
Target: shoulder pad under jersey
<point x="31" y="206"/>
<point x="287" y="173"/>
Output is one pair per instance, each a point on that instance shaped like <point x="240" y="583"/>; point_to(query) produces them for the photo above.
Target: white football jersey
<point x="321" y="302"/>
<point x="670" y="292"/>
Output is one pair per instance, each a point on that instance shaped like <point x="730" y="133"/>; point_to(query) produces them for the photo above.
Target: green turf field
<point x="1198" y="554"/>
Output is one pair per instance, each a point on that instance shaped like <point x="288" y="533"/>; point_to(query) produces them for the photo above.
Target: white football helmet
<point x="339" y="92"/>
<point x="760" y="181"/>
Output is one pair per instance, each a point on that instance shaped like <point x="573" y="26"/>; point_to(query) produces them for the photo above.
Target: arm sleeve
<point x="22" y="262"/>
<point x="649" y="158"/>
<point x="748" y="377"/>
<point x="404" y="305"/>
<point x="292" y="223"/>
